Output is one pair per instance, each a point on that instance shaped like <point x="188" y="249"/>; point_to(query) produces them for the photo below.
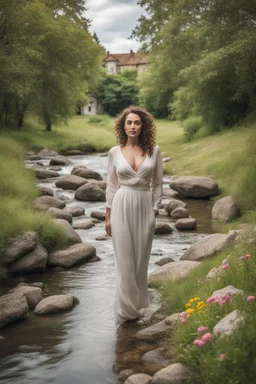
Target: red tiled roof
<point x="128" y="58"/>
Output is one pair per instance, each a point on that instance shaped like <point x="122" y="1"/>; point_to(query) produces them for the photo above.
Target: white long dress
<point x="132" y="203"/>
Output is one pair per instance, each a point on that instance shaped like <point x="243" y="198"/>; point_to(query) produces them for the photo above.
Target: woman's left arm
<point x="157" y="182"/>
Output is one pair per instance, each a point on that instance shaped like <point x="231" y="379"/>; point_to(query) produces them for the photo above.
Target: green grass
<point x="239" y="364"/>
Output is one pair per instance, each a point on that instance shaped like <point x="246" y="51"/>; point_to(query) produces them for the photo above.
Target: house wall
<point x="111" y="67"/>
<point x="94" y="107"/>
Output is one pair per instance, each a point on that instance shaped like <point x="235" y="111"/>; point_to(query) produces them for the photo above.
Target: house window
<point x="89" y="108"/>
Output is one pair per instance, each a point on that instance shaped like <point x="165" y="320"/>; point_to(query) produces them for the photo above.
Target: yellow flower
<point x="188" y="305"/>
<point x="190" y="310"/>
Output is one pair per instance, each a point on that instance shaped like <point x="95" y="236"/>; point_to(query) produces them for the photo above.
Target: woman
<point x="131" y="207"/>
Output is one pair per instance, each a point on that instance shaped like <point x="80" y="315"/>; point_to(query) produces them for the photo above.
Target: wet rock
<point x="72" y="152"/>
<point x="208" y="246"/>
<point x="43" y="203"/>
<point x="102" y="238"/>
<point x="226" y="209"/>
<point x="173" y="271"/>
<point x="33" y="294"/>
<point x="60" y="160"/>
<point x="176" y="373"/>
<point x="86" y="173"/>
<point x="156" y="357"/>
<point x="45" y="191"/>
<point x="186" y="224"/>
<point x="168" y="192"/>
<point x="71" y="182"/>
<point x="13" y="307"/>
<point x="174" y="204"/>
<point x="102" y="184"/>
<point x="98" y="215"/>
<point x="229" y="324"/>
<point x="38" y="284"/>
<point x="55" y="168"/>
<point x="84" y="225"/>
<point x="94" y="259"/>
<point x="71" y="256"/>
<point x="172" y="319"/>
<point x="20" y="245"/>
<point x="47" y="153"/>
<point x="153" y="332"/>
<point x="72" y="236"/>
<point x="96" y="221"/>
<point x="54" y="304"/>
<point x="139" y="378"/>
<point x="230" y="290"/>
<point x="75" y="211"/>
<point x="162" y="229"/>
<point x="31" y="262"/>
<point x="194" y="186"/>
<point x="179" y="213"/>
<point x="60" y="214"/>
<point x="45" y="173"/>
<point x="90" y="192"/>
<point x="164" y="260"/>
<point x="123" y="375"/>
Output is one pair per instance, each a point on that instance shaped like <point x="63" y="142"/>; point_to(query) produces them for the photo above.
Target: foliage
<point x="192" y="126"/>
<point x="17" y="191"/>
<point x="203" y="58"/>
<point x="119" y="91"/>
<point x="48" y="59"/>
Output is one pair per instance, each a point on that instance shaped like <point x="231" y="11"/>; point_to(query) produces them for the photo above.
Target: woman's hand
<point x="108" y="227"/>
<point x="155" y="213"/>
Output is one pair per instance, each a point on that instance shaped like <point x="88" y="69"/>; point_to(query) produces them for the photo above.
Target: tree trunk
<point x="49" y="127"/>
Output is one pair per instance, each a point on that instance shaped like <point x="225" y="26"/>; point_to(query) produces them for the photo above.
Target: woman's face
<point x="132" y="125"/>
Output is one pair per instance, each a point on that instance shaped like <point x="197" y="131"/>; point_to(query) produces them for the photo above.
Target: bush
<point x="192" y="126"/>
<point x="95" y="120"/>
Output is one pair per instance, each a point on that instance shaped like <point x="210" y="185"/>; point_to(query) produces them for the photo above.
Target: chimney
<point x="131" y="52"/>
<point x="108" y="53"/>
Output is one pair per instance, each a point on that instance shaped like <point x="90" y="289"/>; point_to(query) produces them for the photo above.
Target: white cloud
<point x="113" y="22"/>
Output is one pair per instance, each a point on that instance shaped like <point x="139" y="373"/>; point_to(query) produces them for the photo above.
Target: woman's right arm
<point x="112" y="187"/>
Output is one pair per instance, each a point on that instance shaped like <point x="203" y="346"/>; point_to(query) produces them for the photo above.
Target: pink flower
<point x="202" y="329"/>
<point x="250" y="298"/>
<point x="225" y="266"/>
<point x="211" y="299"/>
<point x="219" y="279"/>
<point x="199" y="343"/>
<point x="242" y="258"/>
<point x="183" y="321"/>
<point x="183" y="314"/>
<point x="207" y="337"/>
<point x="222" y="356"/>
<point x="245" y="257"/>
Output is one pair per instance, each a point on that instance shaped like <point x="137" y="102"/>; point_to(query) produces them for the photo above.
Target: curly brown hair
<point x="148" y="131"/>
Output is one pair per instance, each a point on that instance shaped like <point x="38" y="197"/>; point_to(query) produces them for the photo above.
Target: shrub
<point x="192" y="126"/>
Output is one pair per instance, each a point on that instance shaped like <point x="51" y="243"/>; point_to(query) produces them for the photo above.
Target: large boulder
<point x="194" y="186"/>
<point x="168" y="192"/>
<point x="72" y="236"/>
<point x="43" y="203"/>
<point x="229" y="324"/>
<point x="72" y="255"/>
<point x="60" y="214"/>
<point x="173" y="271"/>
<point x="208" y="246"/>
<point x="229" y="290"/>
<point x="98" y="215"/>
<point x="45" y="173"/>
<point x="176" y="373"/>
<point x="47" y="153"/>
<point x="13" y="307"/>
<point x="101" y="183"/>
<point x="60" y="160"/>
<point x="32" y="262"/>
<point x="186" y="224"/>
<point x="19" y="246"/>
<point x="226" y="209"/>
<point x="55" y="304"/>
<point x="155" y="357"/>
<point x="71" y="182"/>
<point x="45" y="191"/>
<point x="84" y="225"/>
<point x="90" y="192"/>
<point x="86" y="173"/>
<point x="164" y="260"/>
<point x="174" y="204"/>
<point x="32" y="294"/>
<point x="75" y="211"/>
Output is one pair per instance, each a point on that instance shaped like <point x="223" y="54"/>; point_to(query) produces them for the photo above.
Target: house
<point x="116" y="63"/>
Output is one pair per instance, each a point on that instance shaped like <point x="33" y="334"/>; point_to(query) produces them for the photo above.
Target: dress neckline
<point x="129" y="163"/>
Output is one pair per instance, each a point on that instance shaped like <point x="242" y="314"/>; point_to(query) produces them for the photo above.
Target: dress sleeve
<point x="112" y="181"/>
<point x="157" y="181"/>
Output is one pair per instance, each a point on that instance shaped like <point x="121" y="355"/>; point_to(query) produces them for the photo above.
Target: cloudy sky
<point x="113" y="22"/>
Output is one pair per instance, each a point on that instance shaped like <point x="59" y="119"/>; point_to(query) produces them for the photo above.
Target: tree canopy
<point x="48" y="59"/>
<point x="203" y="58"/>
